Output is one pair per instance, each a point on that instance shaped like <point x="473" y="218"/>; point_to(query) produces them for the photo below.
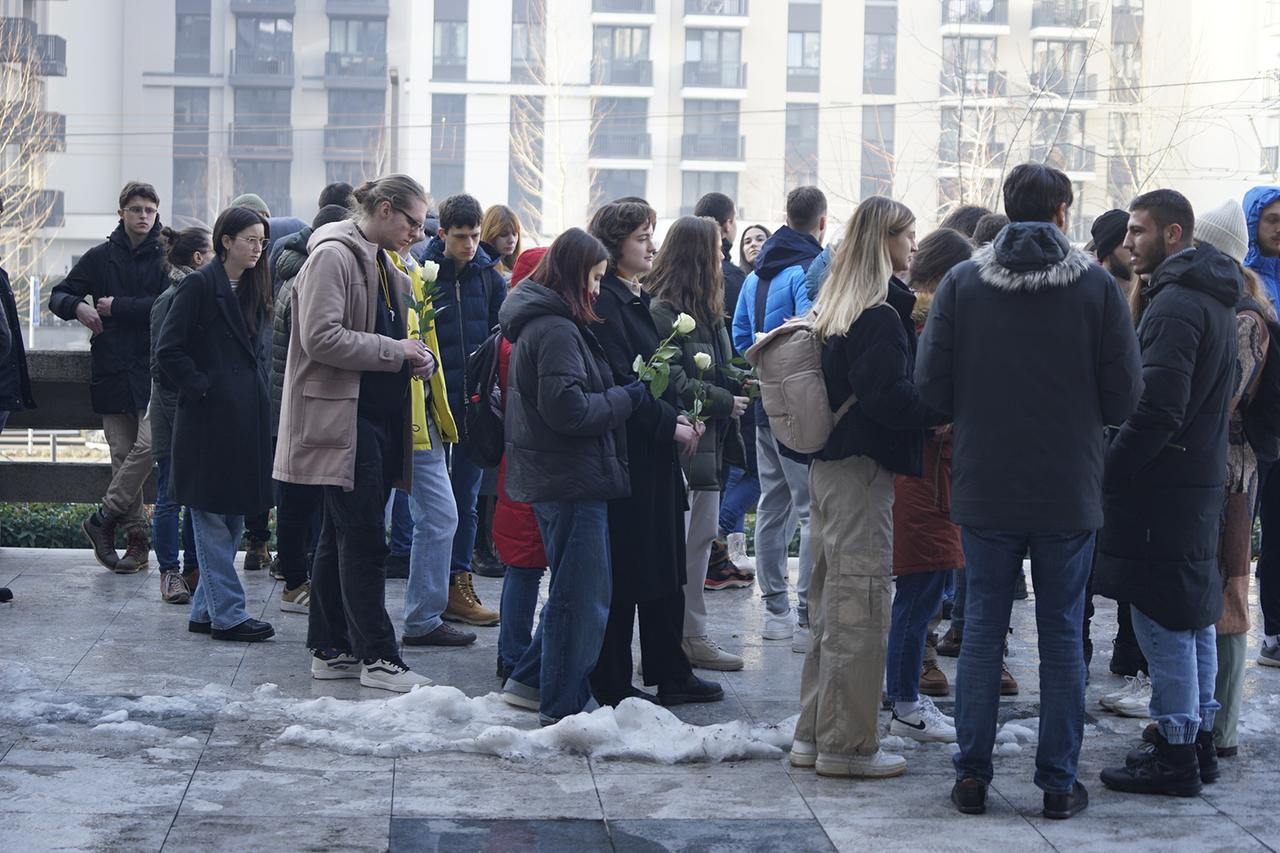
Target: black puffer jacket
<point x="121" y="360"/>
<point x="565" y="419"/>
<point x="1167" y="466"/>
<point x="293" y="255"/>
<point x="15" y="383"/>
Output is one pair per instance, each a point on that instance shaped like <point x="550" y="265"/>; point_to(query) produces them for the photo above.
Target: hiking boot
<point x="102" y="538"/>
<point x="256" y="556"/>
<point x="1127" y="658"/>
<point x="296" y="600"/>
<point x="1269" y="653"/>
<point x="933" y="681"/>
<point x="465" y="605"/>
<point x="692" y="689"/>
<point x="1008" y="685"/>
<point x="969" y="796"/>
<point x="331" y="664"/>
<point x="136" y="556"/>
<point x="486" y="565"/>
<point x="949" y="645"/>
<point x="723" y="575"/>
<point x="736" y="543"/>
<point x="173" y="590"/>
<point x="879" y="765"/>
<point x="1207" y="757"/>
<point x="191" y="576"/>
<point x="248" y="631"/>
<point x="1164" y="769"/>
<point x="396" y="566"/>
<point x="1063" y="806"/>
<point x="391" y="674"/>
<point x="705" y="654"/>
<point x="444" y="635"/>
<point x="484" y="560"/>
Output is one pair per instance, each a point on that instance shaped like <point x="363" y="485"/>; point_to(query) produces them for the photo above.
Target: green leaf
<point x="659" y="385"/>
<point x="638" y="365"/>
<point x="667" y="353"/>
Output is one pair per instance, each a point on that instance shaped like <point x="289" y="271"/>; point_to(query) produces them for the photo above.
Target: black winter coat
<point x="1167" y="465"/>
<point x="293" y="254"/>
<point x="466" y="312"/>
<point x="646" y="528"/>
<point x="1029" y="348"/>
<point x="733" y="279"/>
<point x="121" y="353"/>
<point x="564" y="425"/>
<point x="15" y="382"/>
<point x="221" y="451"/>
<point x="876" y="360"/>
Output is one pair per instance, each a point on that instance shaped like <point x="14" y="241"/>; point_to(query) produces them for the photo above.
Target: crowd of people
<point x="982" y="396"/>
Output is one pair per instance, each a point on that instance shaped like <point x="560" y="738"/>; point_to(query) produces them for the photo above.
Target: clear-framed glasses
<point x="261" y="243"/>
<point x="139" y="210"/>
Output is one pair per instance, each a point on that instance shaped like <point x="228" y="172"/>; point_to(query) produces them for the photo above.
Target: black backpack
<point x="482" y="418"/>
<point x="1262" y="403"/>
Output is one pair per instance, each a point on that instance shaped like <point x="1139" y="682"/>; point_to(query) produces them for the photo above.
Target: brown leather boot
<point x="949" y="645"/>
<point x="102" y="538"/>
<point x="136" y="555"/>
<point x="933" y="681"/>
<point x="465" y="605"/>
<point x="1008" y="685"/>
<point x="256" y="556"/>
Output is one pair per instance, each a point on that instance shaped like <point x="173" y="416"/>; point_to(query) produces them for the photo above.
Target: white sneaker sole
<point x="801" y="647"/>
<point x="381" y="684"/>
<point x="1266" y="661"/>
<point x="906" y="731"/>
<point x="719" y="664"/>
<point x="293" y="607"/>
<point x="331" y="674"/>
<point x="847" y="770"/>
<point x="1134" y="713"/>
<point x="778" y="633"/>
<point x="517" y="701"/>
<point x="803" y="754"/>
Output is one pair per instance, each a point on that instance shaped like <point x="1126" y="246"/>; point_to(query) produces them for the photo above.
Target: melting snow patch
<point x="1008" y="749"/>
<point x="1015" y="733"/>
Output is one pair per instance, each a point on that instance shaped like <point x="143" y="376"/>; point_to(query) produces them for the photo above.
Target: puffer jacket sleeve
<point x="743" y="332"/>
<point x="564" y="400"/>
<point x="322" y="296"/>
<point x="1120" y="362"/>
<point x="79" y="283"/>
<point x="281" y="323"/>
<point x="934" y="353"/>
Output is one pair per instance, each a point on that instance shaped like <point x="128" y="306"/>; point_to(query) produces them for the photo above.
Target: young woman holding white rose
<point x="687" y="279"/>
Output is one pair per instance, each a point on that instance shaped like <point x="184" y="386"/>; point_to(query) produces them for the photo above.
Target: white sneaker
<point x="801" y="640"/>
<point x="925" y="700"/>
<point x="343" y="666"/>
<point x="705" y="654"/>
<point x="779" y="626"/>
<point x="1131" y="683"/>
<point x="925" y="724"/>
<point x="878" y="766"/>
<point x="391" y="675"/>
<point x="737" y="545"/>
<point x="803" y="753"/>
<point x="1137" y="703"/>
<point x="296" y="600"/>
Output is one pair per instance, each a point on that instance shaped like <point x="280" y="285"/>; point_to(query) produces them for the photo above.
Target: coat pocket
<point x="329" y="413"/>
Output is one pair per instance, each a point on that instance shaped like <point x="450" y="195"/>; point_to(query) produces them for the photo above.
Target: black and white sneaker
<point x="327" y="666"/>
<point x="926" y="724"/>
<point x="391" y="674"/>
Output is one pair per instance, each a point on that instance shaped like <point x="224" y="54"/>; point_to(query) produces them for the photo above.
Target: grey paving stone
<point x="31" y="833"/>
<point x="83" y="783"/>
<point x="746" y="790"/>
<point x="496" y="793"/>
<point x="1095" y="832"/>
<point x="989" y="833"/>
<point x="298" y="832"/>
<point x="255" y="791"/>
<point x="418" y="835"/>
<point x="718" y="836"/>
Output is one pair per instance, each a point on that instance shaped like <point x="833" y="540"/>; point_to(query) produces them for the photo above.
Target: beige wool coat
<point x="332" y="342"/>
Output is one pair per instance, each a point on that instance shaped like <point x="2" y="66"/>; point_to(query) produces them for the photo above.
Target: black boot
<point x="1159" y="768"/>
<point x="1207" y="757"/>
<point x="1127" y="658"/>
<point x="484" y="562"/>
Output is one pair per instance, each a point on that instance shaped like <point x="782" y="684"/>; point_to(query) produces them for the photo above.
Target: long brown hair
<point x="564" y="270"/>
<point x="686" y="273"/>
<point x="499" y="220"/>
<point x="253" y="293"/>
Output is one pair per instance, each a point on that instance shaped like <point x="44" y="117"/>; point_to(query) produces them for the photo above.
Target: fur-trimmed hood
<point x="1031" y="256"/>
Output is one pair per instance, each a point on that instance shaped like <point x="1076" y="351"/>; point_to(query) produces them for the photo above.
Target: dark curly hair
<point x="615" y="222"/>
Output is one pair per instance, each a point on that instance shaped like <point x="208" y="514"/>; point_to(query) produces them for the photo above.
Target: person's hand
<point x="89" y="317"/>
<point x="415" y="352"/>
<point x="740" y="405"/>
<point x="687" y="437"/>
<point x="104" y="305"/>
<point x="425" y="371"/>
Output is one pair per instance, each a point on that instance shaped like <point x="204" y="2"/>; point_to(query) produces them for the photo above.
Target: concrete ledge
<point x="59" y="366"/>
<point x="60" y="482"/>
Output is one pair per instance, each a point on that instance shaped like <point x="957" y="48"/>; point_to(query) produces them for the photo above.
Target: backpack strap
<point x="844" y="408"/>
<point x="762" y="299"/>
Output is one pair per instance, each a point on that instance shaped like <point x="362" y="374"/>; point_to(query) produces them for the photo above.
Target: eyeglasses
<point x="136" y="210"/>
<point x="254" y="241"/>
<point x="414" y="224"/>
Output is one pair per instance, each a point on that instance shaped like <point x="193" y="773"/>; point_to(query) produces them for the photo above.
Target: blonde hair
<point x="860" y="271"/>
<point x="396" y="190"/>
<point x="499" y="220"/>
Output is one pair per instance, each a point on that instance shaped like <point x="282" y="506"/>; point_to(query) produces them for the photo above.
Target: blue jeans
<point x="1060" y="565"/>
<point x="570" y="632"/>
<point x="166" y="525"/>
<point x="741" y="493"/>
<point x="435" y="519"/>
<point x="219" y="599"/>
<point x="465" y="476"/>
<point x="519" y="601"/>
<point x="401" y="539"/>
<point x="1184" y="671"/>
<point x="915" y="599"/>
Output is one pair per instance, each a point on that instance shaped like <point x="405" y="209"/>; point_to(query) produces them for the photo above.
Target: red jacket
<point x="925" y="539"/>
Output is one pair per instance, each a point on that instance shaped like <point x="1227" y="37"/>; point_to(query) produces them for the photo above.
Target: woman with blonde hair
<point x="500" y="234"/>
<point x="863" y="317"/>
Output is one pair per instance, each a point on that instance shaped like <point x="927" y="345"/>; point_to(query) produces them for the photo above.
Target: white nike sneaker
<point x="925" y="700"/>
<point x="391" y="674"/>
<point x="925" y="724"/>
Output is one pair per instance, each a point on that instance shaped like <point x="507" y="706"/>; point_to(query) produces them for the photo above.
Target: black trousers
<point x="1269" y="560"/>
<point x="298" y="517"/>
<point x="348" y="580"/>
<point x="661" y="630"/>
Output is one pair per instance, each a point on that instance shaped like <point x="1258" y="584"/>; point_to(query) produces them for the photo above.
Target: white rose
<point x="685" y="324"/>
<point x="429" y="271"/>
<point x="702" y="360"/>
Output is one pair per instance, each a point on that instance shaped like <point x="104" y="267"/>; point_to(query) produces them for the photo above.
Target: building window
<point x="714" y="58"/>
<point x="969" y="67"/>
<point x="620" y="56"/>
<point x="967" y="143"/>
<point x="802" y="146"/>
<point x="358" y="36"/>
<point x="355" y="130"/>
<point x="191" y="152"/>
<point x="262" y="118"/>
<point x="1058" y="140"/>
<point x="191" y="37"/>
<point x="1126" y="59"/>
<point x="448" y="144"/>
<point x="619" y="128"/>
<point x="348" y="171"/>
<point x="528" y="40"/>
<point x="711" y="131"/>
<point x="610" y="184"/>
<point x="694" y="185"/>
<point x="450" y="57"/>
<point x="264" y="35"/>
<point x="804" y="46"/>
<point x="877" y="150"/>
<point x="525" y="181"/>
<point x="268" y="178"/>
<point x="880" y="50"/>
<point x="1059" y="67"/>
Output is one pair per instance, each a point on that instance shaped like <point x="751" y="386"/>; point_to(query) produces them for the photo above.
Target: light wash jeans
<point x="784" y="503"/>
<point x="435" y="520"/>
<point x="1184" y="671"/>
<point x="219" y="599"/>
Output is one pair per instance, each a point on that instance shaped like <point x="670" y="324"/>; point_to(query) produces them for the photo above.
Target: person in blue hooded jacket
<point x="784" y="482"/>
<point x="1262" y="214"/>
<point x="469" y="292"/>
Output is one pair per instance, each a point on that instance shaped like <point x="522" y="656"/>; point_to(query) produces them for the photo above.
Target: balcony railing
<point x="621" y="145"/>
<point x="802" y="78"/>
<point x="640" y="6"/>
<point x="358" y="8"/>
<point x="975" y="12"/>
<point x="734" y="8"/>
<point x="698" y="146"/>
<point x="720" y="75"/>
<point x="1270" y="159"/>
<point x="1067" y="157"/>
<point x="969" y="154"/>
<point x="1068" y="83"/>
<point x="19" y="42"/>
<point x="263" y="7"/>
<point x="993" y="84"/>
<point x="355" y="67"/>
<point x="261" y="141"/>
<point x="622" y="72"/>
<point x="449" y="68"/>
<point x="1066" y="14"/>
<point x="51" y="55"/>
<point x="262" y="67"/>
<point x="351" y="143"/>
<point x="525" y="71"/>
